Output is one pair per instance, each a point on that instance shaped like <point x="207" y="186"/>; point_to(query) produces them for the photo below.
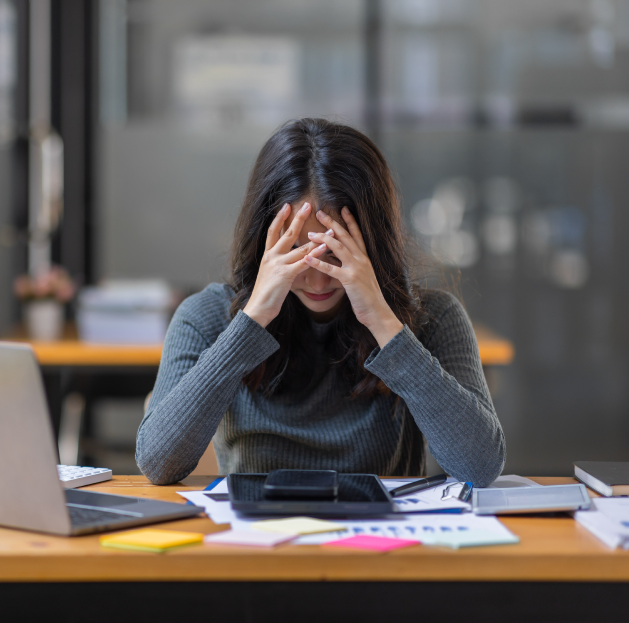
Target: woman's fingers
<point x="300" y="252"/>
<point x="353" y="228"/>
<point x="329" y="269"/>
<point x="292" y="233"/>
<point x="339" y="249"/>
<point x="275" y="229"/>
<point x="340" y="232"/>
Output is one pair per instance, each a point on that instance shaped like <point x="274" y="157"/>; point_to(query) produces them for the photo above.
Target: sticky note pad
<point x="373" y="543"/>
<point x="243" y="537"/>
<point x="470" y="538"/>
<point x="150" y="540"/>
<point x="297" y="525"/>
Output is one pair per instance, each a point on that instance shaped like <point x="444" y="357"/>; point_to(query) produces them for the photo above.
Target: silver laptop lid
<point x="31" y="495"/>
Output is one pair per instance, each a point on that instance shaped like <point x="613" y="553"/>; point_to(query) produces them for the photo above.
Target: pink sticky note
<point x="375" y="543"/>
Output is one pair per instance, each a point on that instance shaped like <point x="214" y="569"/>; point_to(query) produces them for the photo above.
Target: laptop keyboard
<point x="89" y="517"/>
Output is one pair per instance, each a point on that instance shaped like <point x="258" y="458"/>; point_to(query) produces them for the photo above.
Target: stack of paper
<point x="608" y="520"/>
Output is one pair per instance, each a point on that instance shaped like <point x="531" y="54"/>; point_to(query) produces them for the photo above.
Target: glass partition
<point x="506" y="122"/>
<point x="189" y="92"/>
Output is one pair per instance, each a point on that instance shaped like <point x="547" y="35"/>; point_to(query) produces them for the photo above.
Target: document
<point x="608" y="521"/>
<point x="218" y="512"/>
<point x="427" y="501"/>
<point x="431" y="529"/>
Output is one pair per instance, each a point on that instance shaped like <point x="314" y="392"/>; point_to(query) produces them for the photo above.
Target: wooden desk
<point x="71" y="352"/>
<point x="551" y="548"/>
<point x="558" y="569"/>
<point x="494" y="351"/>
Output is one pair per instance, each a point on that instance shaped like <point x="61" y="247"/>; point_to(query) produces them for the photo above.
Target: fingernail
<point x="304" y="207"/>
<point x="345" y="210"/>
<point x="321" y="247"/>
<point x="329" y="232"/>
<point x="285" y="207"/>
<point x="309" y="258"/>
<point x="311" y="234"/>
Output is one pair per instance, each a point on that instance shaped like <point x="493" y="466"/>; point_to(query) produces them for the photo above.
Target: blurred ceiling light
<point x="458" y="194"/>
<point x="457" y="248"/>
<point x="445" y="211"/>
<point x="500" y="234"/>
<point x="569" y="269"/>
<point x="429" y="218"/>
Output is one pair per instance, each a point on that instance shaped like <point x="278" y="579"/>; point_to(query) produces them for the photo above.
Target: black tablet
<point x="358" y="495"/>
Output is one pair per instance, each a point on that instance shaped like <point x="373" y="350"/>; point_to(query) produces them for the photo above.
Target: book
<point x="150" y="540"/>
<point x="605" y="477"/>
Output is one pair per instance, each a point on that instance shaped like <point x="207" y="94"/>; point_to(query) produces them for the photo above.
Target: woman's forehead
<point x="312" y="222"/>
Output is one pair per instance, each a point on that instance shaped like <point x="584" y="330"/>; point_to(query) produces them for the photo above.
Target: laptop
<point x="31" y="494"/>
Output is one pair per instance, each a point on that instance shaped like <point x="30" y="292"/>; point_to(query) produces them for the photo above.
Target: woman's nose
<point x="317" y="280"/>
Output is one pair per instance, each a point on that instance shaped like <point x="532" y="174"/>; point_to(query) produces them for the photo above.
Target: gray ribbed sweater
<point x="199" y="396"/>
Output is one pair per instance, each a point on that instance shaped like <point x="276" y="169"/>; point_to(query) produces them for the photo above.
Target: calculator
<point x="72" y="476"/>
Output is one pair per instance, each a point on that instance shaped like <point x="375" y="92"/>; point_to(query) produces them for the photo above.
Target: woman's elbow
<point x="492" y="464"/>
<point x="155" y="468"/>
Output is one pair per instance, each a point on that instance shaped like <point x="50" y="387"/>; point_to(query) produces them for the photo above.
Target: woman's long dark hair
<point x="338" y="166"/>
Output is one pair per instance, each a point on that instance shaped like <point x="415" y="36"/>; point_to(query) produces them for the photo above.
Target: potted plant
<point x="44" y="298"/>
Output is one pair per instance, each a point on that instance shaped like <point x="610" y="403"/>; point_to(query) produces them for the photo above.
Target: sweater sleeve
<point x="198" y="378"/>
<point x="445" y="390"/>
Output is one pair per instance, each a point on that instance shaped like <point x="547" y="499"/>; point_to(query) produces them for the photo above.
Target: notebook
<point x="605" y="477"/>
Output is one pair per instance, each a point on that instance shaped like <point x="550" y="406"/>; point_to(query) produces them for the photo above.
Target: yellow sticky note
<point x="149" y="540"/>
<point x="297" y="525"/>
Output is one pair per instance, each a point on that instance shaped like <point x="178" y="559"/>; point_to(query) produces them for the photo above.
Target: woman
<point x="320" y="354"/>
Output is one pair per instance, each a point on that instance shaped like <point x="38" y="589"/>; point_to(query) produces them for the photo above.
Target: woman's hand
<point x="280" y="265"/>
<point x="356" y="275"/>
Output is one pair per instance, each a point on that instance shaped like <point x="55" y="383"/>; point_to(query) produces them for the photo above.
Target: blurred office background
<point x="506" y="122"/>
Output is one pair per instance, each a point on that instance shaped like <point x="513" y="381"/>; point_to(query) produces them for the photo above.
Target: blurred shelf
<point x="70" y="351"/>
<point x="494" y="349"/>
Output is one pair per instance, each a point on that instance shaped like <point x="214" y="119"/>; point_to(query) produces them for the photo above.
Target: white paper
<point x="601" y="527"/>
<point x="423" y="528"/>
<point x="218" y="512"/>
<point x="425" y="501"/>
<point x="607" y="520"/>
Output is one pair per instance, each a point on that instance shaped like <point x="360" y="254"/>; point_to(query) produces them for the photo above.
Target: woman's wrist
<point x="385" y="327"/>
<point x="256" y="314"/>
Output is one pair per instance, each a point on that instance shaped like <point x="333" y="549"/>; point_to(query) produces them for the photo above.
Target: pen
<point x="418" y="485"/>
